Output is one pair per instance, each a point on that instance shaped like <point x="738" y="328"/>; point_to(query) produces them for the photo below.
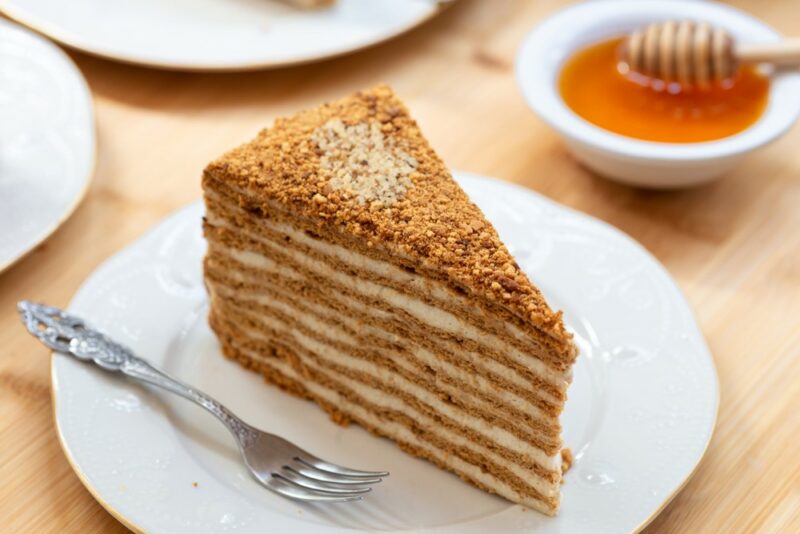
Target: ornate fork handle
<point x="69" y="335"/>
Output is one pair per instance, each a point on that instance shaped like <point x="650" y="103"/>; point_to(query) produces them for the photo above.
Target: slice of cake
<point x="347" y="266"/>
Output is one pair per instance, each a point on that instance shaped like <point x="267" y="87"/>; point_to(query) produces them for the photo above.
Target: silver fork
<point x="277" y="464"/>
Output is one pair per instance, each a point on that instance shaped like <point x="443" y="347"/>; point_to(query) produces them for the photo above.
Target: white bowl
<point x="628" y="160"/>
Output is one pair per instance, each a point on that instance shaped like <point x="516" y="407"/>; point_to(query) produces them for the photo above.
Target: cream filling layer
<point x="380" y="398"/>
<point x="360" y="261"/>
<point x="399" y="432"/>
<point x="502" y="396"/>
<point x="420" y="310"/>
<point x="480" y="426"/>
<point x="267" y="264"/>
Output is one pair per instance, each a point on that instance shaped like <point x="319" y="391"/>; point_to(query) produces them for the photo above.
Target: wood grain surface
<point x="733" y="246"/>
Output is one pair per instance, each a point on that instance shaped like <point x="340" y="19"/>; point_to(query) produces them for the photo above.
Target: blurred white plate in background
<point x="47" y="140"/>
<point x="218" y="34"/>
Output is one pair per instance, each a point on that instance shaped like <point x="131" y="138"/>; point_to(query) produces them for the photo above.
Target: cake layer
<point x="434" y="293"/>
<point x="497" y="442"/>
<point x="369" y="404"/>
<point x="397" y="333"/>
<point x="225" y="210"/>
<point x="263" y="254"/>
<point x="362" y="337"/>
<point x="385" y="365"/>
<point x="253" y="278"/>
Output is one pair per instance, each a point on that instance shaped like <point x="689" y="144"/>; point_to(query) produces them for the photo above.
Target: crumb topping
<point x="361" y="161"/>
<point x="404" y="200"/>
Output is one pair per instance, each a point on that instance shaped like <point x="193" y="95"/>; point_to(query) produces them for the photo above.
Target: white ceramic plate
<point x="47" y="140"/>
<point x="218" y="34"/>
<point x="641" y="410"/>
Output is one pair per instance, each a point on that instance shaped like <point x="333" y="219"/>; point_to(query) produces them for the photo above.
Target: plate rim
<point x="89" y="178"/>
<point x="73" y="464"/>
<point x="49" y="30"/>
<point x="119" y="516"/>
<point x="691" y="309"/>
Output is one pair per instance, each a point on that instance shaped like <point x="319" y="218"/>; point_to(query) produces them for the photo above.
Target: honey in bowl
<point x="596" y="87"/>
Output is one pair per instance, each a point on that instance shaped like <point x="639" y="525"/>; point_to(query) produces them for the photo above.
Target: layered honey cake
<point x="347" y="266"/>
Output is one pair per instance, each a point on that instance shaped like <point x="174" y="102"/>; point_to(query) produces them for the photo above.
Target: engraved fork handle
<point x="68" y="334"/>
<point x="142" y="370"/>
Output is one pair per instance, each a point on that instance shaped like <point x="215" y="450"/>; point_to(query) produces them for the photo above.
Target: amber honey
<point x="596" y="87"/>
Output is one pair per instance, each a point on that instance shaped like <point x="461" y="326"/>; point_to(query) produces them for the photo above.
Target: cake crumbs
<point x="566" y="460"/>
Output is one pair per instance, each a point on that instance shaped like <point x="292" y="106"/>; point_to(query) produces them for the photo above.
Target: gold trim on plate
<point x="74" y="465"/>
<point x="688" y="477"/>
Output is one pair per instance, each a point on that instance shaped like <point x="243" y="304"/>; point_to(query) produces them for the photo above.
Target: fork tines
<point x="310" y="479"/>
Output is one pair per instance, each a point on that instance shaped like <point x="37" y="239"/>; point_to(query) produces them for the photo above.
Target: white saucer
<point x="219" y="34"/>
<point x="47" y="140"/>
<point x="641" y="410"/>
<point x="635" y="161"/>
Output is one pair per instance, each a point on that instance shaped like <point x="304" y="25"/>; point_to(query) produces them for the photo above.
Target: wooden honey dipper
<point x="697" y="53"/>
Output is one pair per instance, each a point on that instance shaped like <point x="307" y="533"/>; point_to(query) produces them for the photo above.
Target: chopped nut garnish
<point x="362" y="160"/>
<point x="361" y="166"/>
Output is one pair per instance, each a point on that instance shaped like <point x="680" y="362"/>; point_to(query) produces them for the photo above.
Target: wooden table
<point x="733" y="246"/>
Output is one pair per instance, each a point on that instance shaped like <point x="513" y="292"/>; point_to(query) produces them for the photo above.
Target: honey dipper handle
<point x="786" y="52"/>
